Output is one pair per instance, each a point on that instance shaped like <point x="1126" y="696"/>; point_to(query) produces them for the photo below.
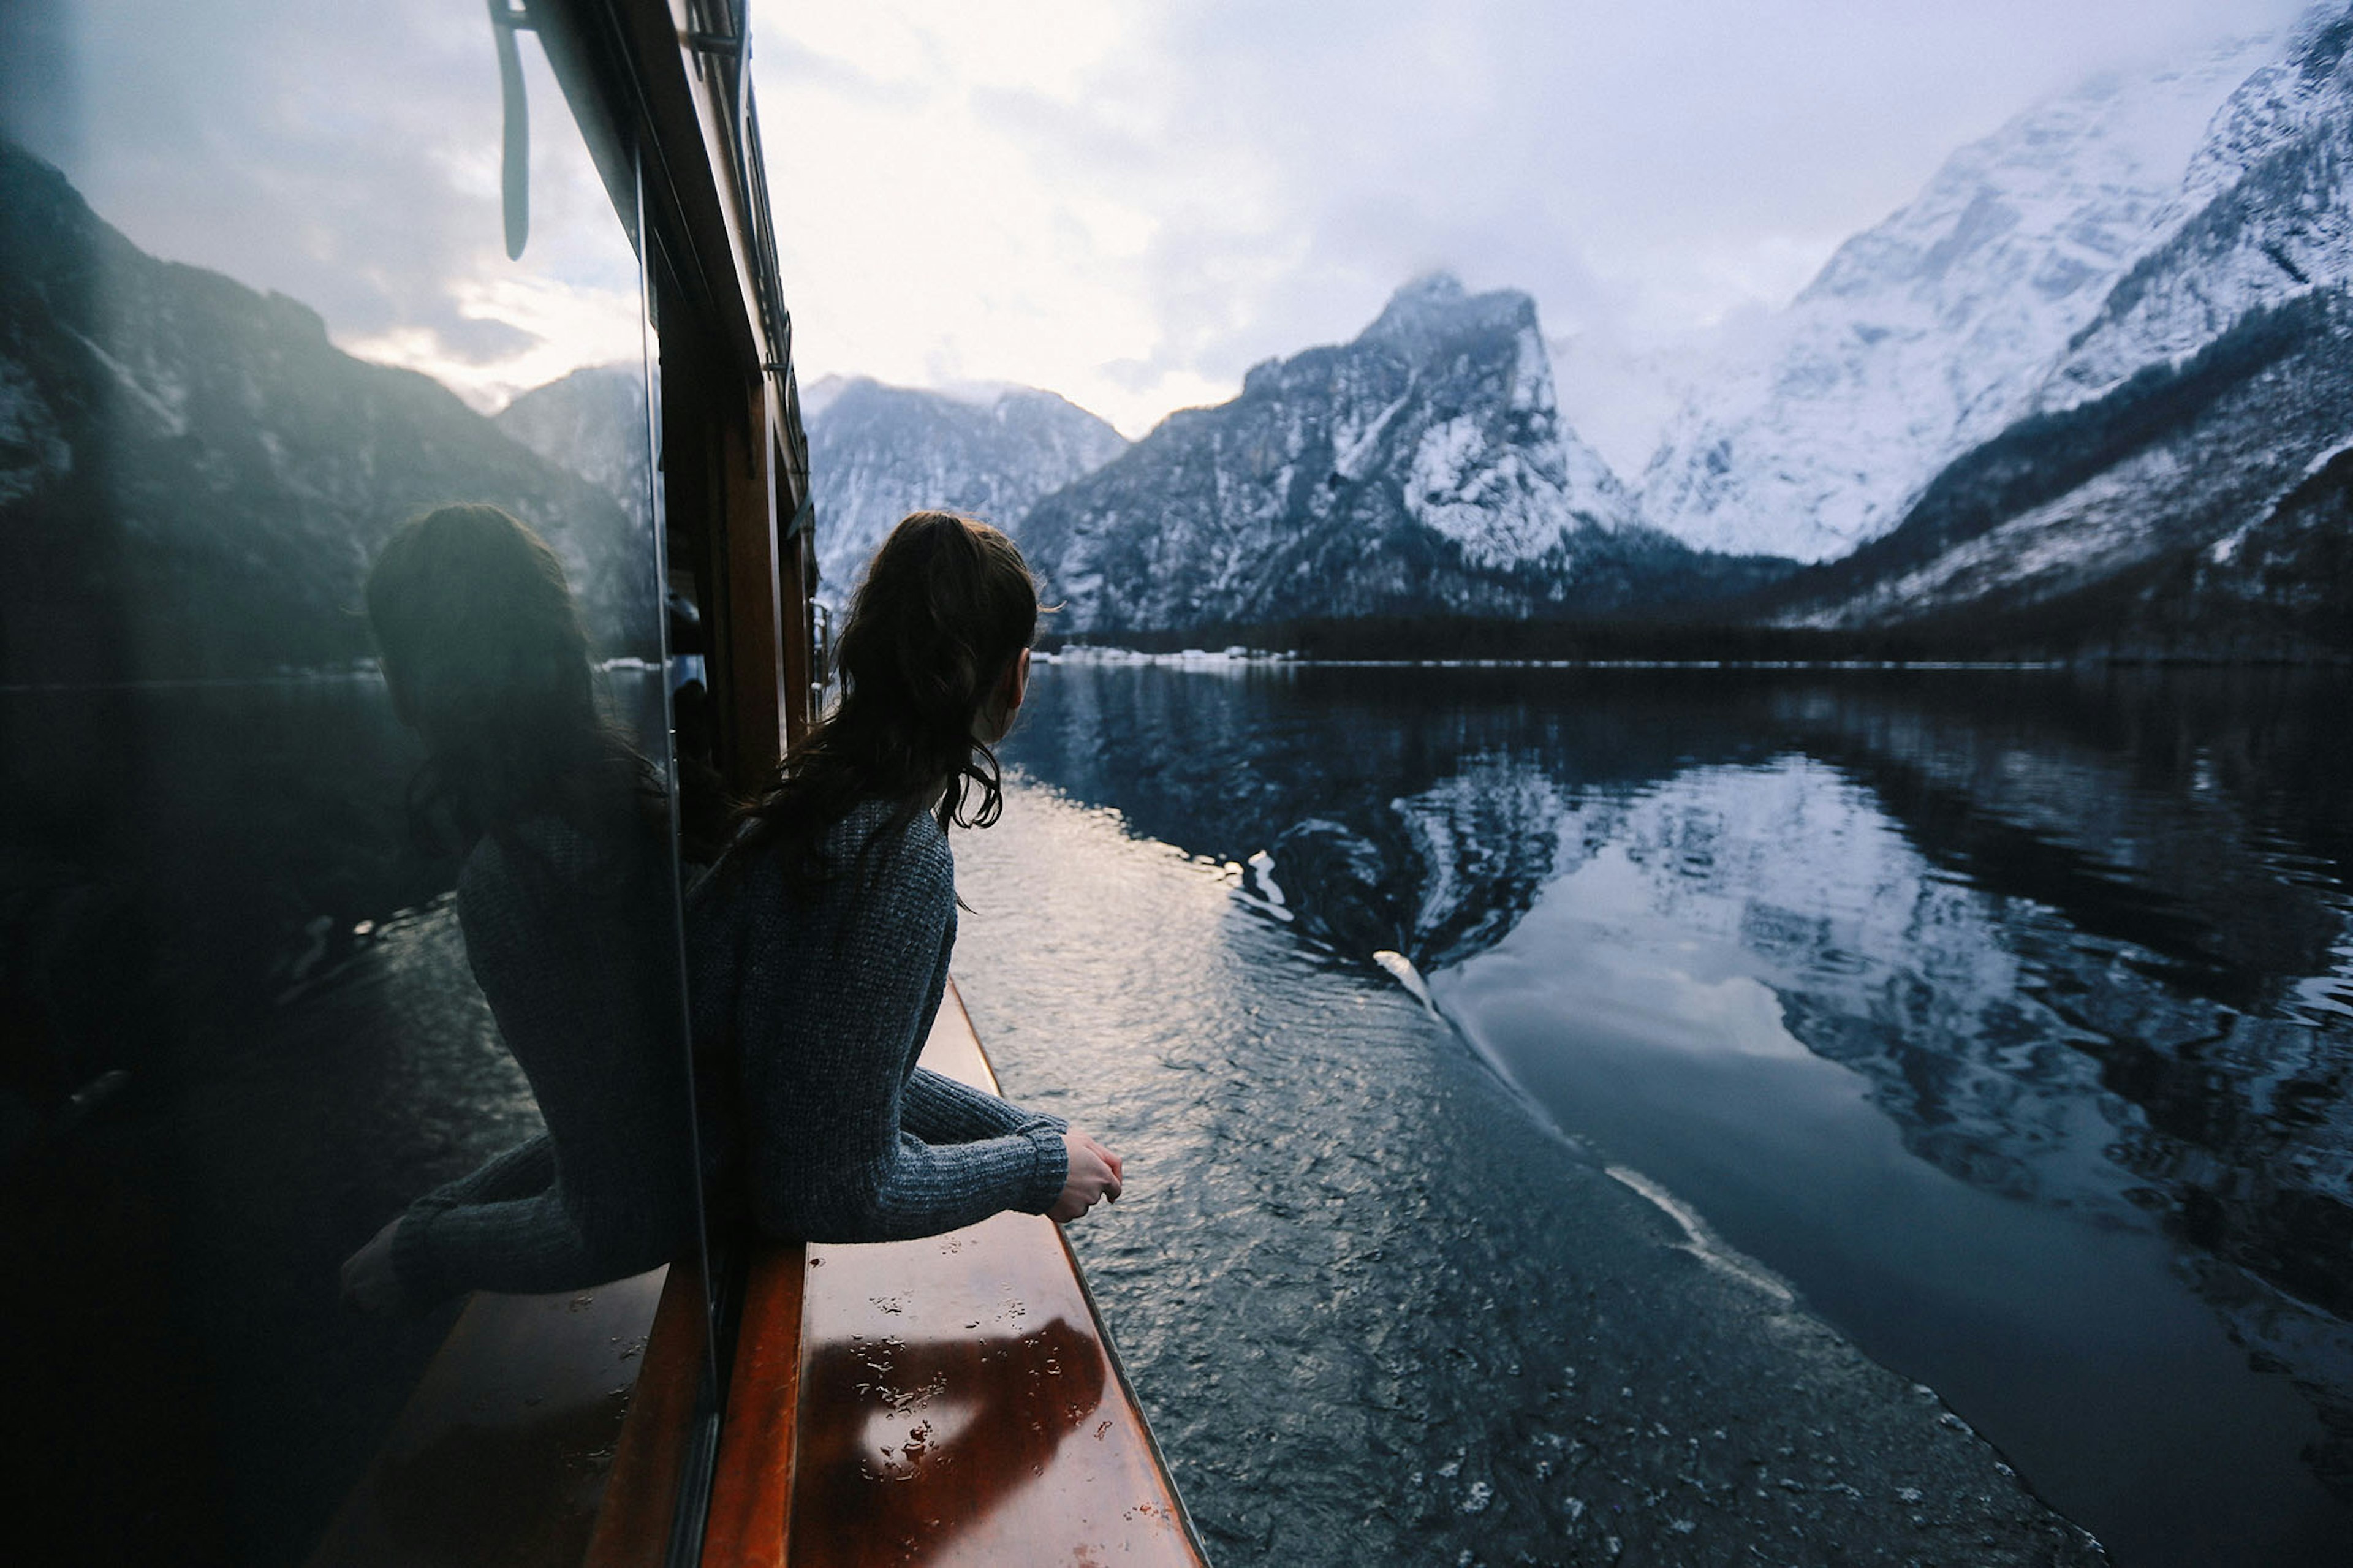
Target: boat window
<point x="338" y="878"/>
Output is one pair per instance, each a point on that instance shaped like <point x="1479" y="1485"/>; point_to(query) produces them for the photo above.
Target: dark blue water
<point x="2006" y="1016"/>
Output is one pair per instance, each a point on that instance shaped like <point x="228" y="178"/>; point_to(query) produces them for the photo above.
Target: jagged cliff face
<point x="1421" y="467"/>
<point x="193" y="479"/>
<point x="592" y="422"/>
<point x="2169" y="489"/>
<point x="1934" y="330"/>
<point x="2263" y="216"/>
<point x="2150" y="517"/>
<point x="877" y="453"/>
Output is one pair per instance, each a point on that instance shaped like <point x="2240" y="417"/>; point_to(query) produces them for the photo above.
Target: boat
<point x="956" y="1400"/>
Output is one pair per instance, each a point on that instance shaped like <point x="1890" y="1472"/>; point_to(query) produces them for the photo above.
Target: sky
<point x="346" y="154"/>
<point x="1131" y="205"/>
<point x="1128" y="204"/>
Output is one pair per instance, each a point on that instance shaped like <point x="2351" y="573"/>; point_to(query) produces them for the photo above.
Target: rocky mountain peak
<point x="878" y="452"/>
<point x="2264" y="215"/>
<point x="818" y="395"/>
<point x="1434" y="311"/>
<point x="1420" y="468"/>
<point x="2157" y="485"/>
<point x="593" y="423"/>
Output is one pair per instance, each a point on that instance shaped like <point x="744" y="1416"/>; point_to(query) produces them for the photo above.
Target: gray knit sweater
<point x="571" y="941"/>
<point x="816" y="1009"/>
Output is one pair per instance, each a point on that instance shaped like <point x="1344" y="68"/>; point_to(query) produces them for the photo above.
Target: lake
<point x="2006" y="1018"/>
<point x="2000" y="1021"/>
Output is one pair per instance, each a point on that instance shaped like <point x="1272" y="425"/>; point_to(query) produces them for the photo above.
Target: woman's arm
<point x="575" y="976"/>
<point x="508" y="1227"/>
<point x="837" y="1002"/>
<point x="938" y="1110"/>
<point x="527" y="1168"/>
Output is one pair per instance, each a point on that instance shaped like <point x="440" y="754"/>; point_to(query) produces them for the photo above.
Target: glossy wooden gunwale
<point x="752" y="1492"/>
<point x="991" y="1324"/>
<point x="506" y="1450"/>
<point x="650" y="1457"/>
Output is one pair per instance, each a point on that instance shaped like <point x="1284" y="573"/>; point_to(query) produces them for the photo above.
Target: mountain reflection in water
<point x="2009" y="1016"/>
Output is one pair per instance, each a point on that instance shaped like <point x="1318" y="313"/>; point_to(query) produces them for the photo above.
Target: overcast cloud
<point x="344" y="154"/>
<point x="1133" y="207"/>
<point x="1128" y="204"/>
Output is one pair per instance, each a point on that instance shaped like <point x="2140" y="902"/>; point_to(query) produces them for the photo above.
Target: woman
<point x="818" y="947"/>
<point x="564" y="899"/>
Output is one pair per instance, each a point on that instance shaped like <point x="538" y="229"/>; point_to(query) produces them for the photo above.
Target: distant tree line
<point x="1442" y="637"/>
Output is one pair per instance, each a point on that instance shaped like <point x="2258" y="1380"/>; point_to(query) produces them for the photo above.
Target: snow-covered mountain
<point x="2264" y="215"/>
<point x="1934" y="330"/>
<point x="1421" y="467"/>
<point x="1620" y="394"/>
<point x="2176" y="481"/>
<point x="877" y="453"/>
<point x="592" y="422"/>
<point x="2195" y="508"/>
<point x="194" y="479"/>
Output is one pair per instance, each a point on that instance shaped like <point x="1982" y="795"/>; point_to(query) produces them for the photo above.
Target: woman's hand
<point x="1094" y="1174"/>
<point x="369" y="1284"/>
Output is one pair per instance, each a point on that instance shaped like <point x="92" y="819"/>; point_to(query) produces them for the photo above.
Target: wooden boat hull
<point x="950" y="1401"/>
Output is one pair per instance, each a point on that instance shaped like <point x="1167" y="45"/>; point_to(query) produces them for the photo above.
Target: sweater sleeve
<point x="939" y="1109"/>
<point x="526" y="1244"/>
<point x="581" y="999"/>
<point x="832" y="1020"/>
<point x="524" y="1171"/>
<point x="509" y="1227"/>
<point x="420" y="1259"/>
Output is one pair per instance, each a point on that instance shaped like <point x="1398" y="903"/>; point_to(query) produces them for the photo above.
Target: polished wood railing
<point x="509" y="1450"/>
<point x="950" y="1400"/>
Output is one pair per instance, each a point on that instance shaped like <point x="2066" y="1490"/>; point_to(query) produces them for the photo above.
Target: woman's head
<point x="484" y="652"/>
<point x="930" y="660"/>
<point x="944" y="612"/>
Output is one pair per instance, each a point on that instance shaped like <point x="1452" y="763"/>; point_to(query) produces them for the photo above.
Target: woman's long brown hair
<point x="483" y="644"/>
<point x="946" y="607"/>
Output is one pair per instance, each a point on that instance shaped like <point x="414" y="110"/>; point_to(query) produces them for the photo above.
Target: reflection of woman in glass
<point x="818" y="947"/>
<point x="563" y="898"/>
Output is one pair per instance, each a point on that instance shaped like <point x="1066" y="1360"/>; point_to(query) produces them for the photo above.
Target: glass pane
<point x="288" y="945"/>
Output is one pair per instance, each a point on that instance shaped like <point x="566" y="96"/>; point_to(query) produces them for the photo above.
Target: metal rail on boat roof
<point x="514" y="166"/>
